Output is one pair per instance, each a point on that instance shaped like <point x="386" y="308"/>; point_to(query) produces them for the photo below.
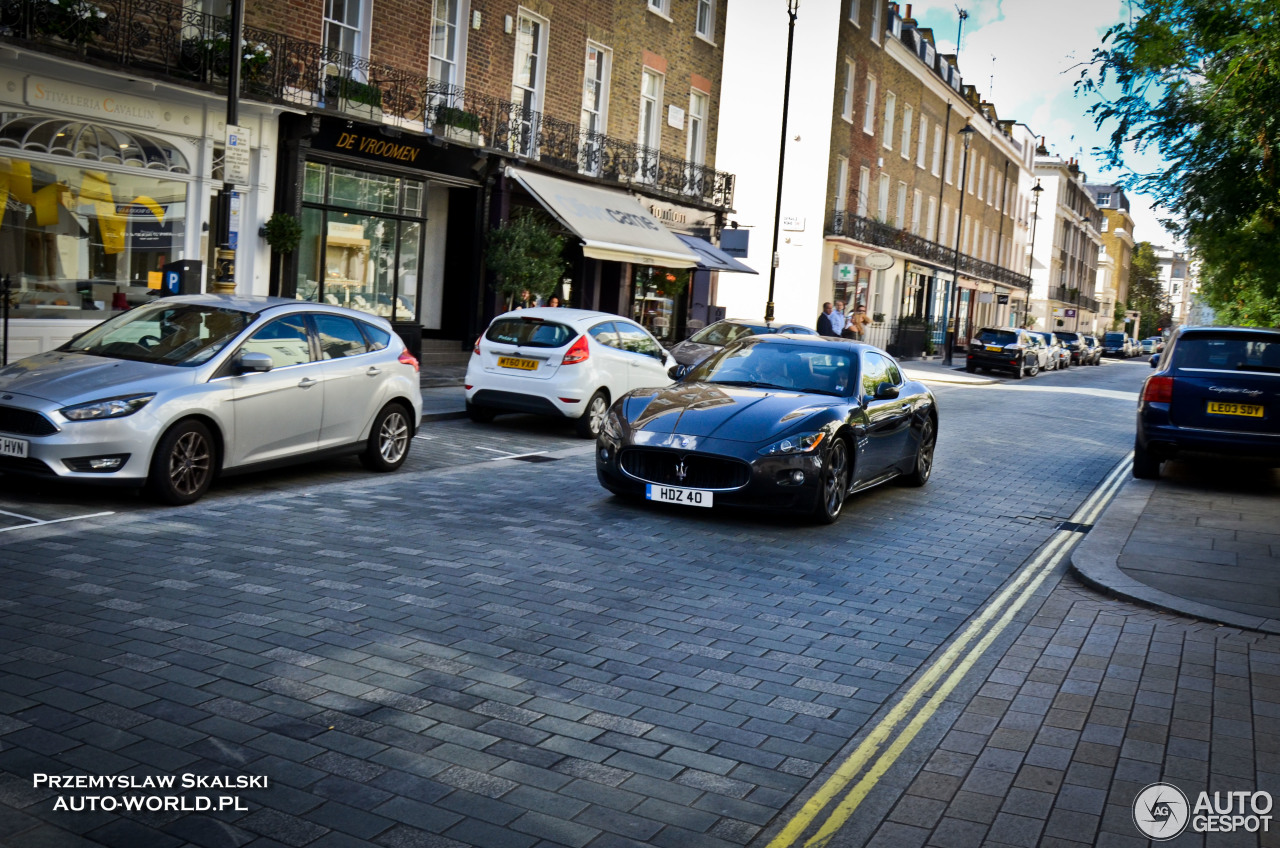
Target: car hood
<point x="723" y="412"/>
<point x="64" y="377"/>
<point x="691" y="353"/>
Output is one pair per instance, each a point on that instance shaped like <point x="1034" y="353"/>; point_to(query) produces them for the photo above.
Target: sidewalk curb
<point x="1095" y="560"/>
<point x="443" y="416"/>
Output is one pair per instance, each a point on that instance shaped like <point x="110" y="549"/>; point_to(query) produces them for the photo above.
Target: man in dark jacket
<point x="825" y="325"/>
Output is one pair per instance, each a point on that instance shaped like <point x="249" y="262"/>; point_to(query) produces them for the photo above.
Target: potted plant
<point x="76" y="22"/>
<point x="349" y="94"/>
<point x="214" y="53"/>
<point x="457" y="124"/>
<point x="878" y="317"/>
<point x="525" y="254"/>
<point x="283" y="232"/>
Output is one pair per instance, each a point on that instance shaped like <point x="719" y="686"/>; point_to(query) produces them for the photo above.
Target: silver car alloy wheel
<point x="597" y="411"/>
<point x="393" y="437"/>
<point x="190" y="463"/>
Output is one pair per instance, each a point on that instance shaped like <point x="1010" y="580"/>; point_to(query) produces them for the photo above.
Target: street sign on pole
<point x="235" y="167"/>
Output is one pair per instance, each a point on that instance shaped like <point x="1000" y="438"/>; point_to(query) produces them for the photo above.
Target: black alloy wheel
<point x="389" y="439"/>
<point x="923" y="467"/>
<point x="833" y="485"/>
<point x="479" y="414"/>
<point x="592" y="419"/>
<point x="183" y="464"/>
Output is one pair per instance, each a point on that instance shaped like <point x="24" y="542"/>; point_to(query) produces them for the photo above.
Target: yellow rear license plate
<point x="1247" y="409"/>
<point x="994" y="348"/>
<point x="516" y="362"/>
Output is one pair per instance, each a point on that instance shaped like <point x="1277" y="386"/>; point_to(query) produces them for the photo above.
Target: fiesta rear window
<point x="529" y="333"/>
<point x="1000" y="337"/>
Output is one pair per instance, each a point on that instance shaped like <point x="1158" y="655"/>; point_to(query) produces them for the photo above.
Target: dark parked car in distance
<point x="711" y="338"/>
<point x="1116" y="344"/>
<point x="1216" y="391"/>
<point x="1059" y="356"/>
<point x="1094" y="345"/>
<point x="1075" y="347"/>
<point x="1006" y="349"/>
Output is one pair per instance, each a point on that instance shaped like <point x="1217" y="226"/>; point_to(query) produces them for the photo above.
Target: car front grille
<point x="29" y="466"/>
<point x="664" y="467"/>
<point x="24" y="422"/>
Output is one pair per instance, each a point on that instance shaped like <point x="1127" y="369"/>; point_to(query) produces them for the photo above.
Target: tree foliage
<point x="1198" y="81"/>
<point x="1146" y="295"/>
<point x="525" y="254"/>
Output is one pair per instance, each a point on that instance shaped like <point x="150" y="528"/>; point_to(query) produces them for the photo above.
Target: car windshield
<point x="1069" y="337"/>
<point x="183" y="334"/>
<point x="1048" y="337"/>
<point x="997" y="337"/>
<point x="1235" y="353"/>
<point x="1114" y="338"/>
<point x="780" y="366"/>
<point x="723" y="332"/>
<point x="530" y="332"/>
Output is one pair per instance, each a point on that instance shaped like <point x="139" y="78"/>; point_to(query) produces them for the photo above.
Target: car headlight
<point x="801" y="443"/>
<point x="612" y="426"/>
<point x="117" y="407"/>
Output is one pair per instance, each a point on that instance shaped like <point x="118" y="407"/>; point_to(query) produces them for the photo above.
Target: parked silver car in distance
<point x="176" y="392"/>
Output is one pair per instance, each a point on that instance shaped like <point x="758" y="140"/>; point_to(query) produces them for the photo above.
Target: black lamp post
<point x="966" y="133"/>
<point x="792" y="7"/>
<point x="225" y="267"/>
<point x="1037" y="190"/>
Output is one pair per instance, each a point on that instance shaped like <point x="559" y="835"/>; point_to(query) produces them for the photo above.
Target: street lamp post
<point x="1037" y="190"/>
<point x="225" y="279"/>
<point x="792" y="7"/>
<point x="952" y="319"/>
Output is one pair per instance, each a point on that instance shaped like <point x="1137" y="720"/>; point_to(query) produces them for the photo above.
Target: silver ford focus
<point x="171" y="394"/>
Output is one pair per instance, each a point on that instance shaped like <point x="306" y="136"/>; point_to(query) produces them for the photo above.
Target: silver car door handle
<point x="306" y="383"/>
<point x="373" y="371"/>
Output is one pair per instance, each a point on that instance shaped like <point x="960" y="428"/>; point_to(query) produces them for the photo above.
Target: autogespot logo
<point x="1160" y="811"/>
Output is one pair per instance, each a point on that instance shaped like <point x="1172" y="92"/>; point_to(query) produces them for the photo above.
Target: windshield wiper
<point x="750" y="384"/>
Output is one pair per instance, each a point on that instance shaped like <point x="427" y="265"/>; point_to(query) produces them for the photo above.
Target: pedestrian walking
<point x="825" y="327"/>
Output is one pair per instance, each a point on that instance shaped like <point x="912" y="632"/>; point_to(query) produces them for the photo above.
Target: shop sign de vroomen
<point x="367" y="143"/>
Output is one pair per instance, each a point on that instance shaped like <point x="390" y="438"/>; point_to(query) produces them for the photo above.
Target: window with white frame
<point x="947" y="234"/>
<point x="982" y="175"/>
<point x="882" y="203"/>
<point x="445" y="48"/>
<point x="706" y="23"/>
<point x="650" y="109"/>
<point x="855" y="12"/>
<point x="864" y="191"/>
<point x="343" y="21"/>
<point x="846" y="107"/>
<point x="662" y="7"/>
<point x="951" y="158"/>
<point x="595" y="106"/>
<point x="936" y="170"/>
<point x="869" y="108"/>
<point x="907" y="114"/>
<point x="528" y="80"/>
<point x="842" y="182"/>
<point x="931" y="222"/>
<point x="900" y="216"/>
<point x="697" y="146"/>
<point x="1105" y="225"/>
<point x="917" y="209"/>
<point x="890" y="106"/>
<point x="875" y="20"/>
<point x="922" y="141"/>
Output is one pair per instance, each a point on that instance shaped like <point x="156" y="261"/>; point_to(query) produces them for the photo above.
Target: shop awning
<point x="612" y="225"/>
<point x="712" y="258"/>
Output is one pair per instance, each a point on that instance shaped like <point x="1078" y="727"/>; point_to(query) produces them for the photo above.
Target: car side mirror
<point x="886" y="391"/>
<point x="677" y="371"/>
<point x="1155" y="358"/>
<point x="248" y="361"/>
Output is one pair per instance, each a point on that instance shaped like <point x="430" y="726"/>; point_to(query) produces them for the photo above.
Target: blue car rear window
<point x="1228" y="353"/>
<point x="530" y="332"/>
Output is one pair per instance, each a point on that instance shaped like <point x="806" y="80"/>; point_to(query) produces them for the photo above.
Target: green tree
<point x="1198" y="81"/>
<point x="525" y="254"/>
<point x="1146" y="295"/>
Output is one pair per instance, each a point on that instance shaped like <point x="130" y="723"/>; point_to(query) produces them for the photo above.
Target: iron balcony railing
<point x="867" y="231"/>
<point x="175" y="42"/>
<point x="1063" y="294"/>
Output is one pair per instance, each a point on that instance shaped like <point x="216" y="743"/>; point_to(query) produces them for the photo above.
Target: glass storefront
<point x="83" y="236"/>
<point x="655" y="293"/>
<point x="362" y="241"/>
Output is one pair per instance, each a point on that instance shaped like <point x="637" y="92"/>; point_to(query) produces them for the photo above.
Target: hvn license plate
<point x="516" y="362"/>
<point x="668" y="494"/>
<point x="1247" y="409"/>
<point x="13" y="447"/>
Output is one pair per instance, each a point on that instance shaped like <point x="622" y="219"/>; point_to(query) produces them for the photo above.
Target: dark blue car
<point x="1216" y="391"/>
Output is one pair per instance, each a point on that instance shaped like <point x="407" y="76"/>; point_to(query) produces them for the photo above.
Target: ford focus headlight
<point x="802" y="443"/>
<point x="117" y="407"/>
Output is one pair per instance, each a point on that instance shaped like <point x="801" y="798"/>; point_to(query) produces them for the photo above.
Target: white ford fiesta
<point x="570" y="363"/>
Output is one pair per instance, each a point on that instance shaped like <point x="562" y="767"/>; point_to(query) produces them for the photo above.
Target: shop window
<point x="656" y="292"/>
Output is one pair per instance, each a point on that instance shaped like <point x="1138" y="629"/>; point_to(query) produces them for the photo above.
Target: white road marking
<point x="35" y="522"/>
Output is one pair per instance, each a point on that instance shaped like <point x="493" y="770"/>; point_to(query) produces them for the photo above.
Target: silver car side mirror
<point x="253" y="361"/>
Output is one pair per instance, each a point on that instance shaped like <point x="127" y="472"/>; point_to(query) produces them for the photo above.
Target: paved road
<point x="478" y="652"/>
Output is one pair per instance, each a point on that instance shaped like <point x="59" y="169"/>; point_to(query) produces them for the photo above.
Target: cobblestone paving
<point x="1094" y="701"/>
<point x="499" y="654"/>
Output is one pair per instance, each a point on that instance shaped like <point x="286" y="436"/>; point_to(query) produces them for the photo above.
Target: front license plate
<point x="994" y="348"/>
<point x="1248" y="410"/>
<point x="516" y="362"/>
<point x="13" y="447"/>
<point x="687" y="497"/>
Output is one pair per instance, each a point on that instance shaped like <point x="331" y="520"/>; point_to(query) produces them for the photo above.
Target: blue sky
<point x="1025" y="56"/>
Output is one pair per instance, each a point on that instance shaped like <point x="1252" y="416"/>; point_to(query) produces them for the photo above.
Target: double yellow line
<point x="886" y="742"/>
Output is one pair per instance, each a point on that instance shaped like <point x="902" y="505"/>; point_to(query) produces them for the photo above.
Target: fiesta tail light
<point x="578" y="353"/>
<point x="475" y="351"/>
<point x="407" y="358"/>
<point x="1158" y="390"/>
